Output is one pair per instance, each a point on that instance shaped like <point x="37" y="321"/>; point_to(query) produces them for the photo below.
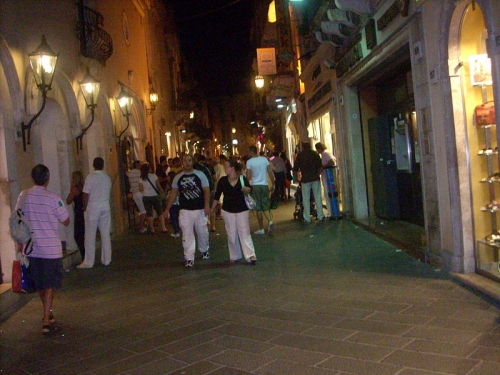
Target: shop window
<point x="481" y="138"/>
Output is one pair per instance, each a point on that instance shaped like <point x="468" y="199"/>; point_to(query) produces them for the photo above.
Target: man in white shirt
<point x="96" y="195"/>
<point x="134" y="175"/>
<point x="258" y="170"/>
<point x="327" y="161"/>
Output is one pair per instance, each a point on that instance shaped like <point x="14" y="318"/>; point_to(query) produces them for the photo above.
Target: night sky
<point x="214" y="37"/>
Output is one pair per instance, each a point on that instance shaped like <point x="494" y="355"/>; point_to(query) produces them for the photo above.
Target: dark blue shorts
<point x="46" y="273"/>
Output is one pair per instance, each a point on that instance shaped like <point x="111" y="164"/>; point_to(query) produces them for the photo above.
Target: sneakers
<point x="260" y="231"/>
<point x="206" y="255"/>
<point x="271" y="227"/>
<point x="83" y="265"/>
<point x="175" y="235"/>
<point x="143" y="230"/>
<point x="189" y="264"/>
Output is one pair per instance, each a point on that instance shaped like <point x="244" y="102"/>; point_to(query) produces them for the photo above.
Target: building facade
<point x="131" y="48"/>
<point x="405" y="90"/>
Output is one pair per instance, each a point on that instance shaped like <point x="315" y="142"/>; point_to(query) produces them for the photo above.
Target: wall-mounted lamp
<point x="153" y="100"/>
<point x="125" y="101"/>
<point x="43" y="62"/>
<point x="90" y="89"/>
<point x="259" y="82"/>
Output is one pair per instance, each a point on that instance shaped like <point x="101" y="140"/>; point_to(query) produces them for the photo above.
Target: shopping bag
<point x="21" y="279"/>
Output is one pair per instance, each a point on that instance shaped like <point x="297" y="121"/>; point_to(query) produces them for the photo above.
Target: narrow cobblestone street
<point x="326" y="298"/>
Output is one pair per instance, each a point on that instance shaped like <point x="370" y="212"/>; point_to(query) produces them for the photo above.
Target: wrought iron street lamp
<point x="43" y="63"/>
<point x="90" y="89"/>
<point x="125" y="101"/>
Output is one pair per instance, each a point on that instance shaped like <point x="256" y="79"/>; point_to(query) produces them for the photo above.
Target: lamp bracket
<point x="26" y="129"/>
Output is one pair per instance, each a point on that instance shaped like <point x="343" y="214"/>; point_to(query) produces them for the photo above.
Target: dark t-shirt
<point x="234" y="200"/>
<point x="309" y="164"/>
<point x="190" y="186"/>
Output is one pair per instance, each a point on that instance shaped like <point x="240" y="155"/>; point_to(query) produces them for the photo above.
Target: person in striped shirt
<point x="44" y="211"/>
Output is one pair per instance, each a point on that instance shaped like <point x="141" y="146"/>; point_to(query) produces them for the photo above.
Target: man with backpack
<point x="44" y="210"/>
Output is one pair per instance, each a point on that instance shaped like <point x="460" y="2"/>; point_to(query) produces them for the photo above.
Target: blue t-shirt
<point x="190" y="186"/>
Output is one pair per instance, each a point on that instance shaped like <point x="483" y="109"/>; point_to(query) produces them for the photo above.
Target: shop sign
<point x="266" y="61"/>
<point x="397" y="8"/>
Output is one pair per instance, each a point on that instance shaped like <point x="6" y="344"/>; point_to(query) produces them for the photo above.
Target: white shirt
<point x="98" y="187"/>
<point x="258" y="166"/>
<point x="326" y="156"/>
<point x="149" y="191"/>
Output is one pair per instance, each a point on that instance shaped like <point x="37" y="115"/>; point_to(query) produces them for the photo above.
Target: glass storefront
<point x="481" y="141"/>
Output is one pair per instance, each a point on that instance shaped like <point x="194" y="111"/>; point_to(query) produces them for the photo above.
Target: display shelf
<point x="488" y="249"/>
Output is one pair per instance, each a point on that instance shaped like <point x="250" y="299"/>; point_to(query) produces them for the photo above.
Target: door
<point x="383" y="168"/>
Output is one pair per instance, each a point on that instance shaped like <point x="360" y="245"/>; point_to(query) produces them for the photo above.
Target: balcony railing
<point x="95" y="43"/>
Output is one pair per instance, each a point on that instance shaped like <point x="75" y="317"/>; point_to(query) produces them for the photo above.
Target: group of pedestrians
<point x="190" y="194"/>
<point x="312" y="166"/>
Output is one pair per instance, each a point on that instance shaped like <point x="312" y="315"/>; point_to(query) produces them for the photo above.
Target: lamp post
<point x="153" y="100"/>
<point x="90" y="89"/>
<point x="125" y="102"/>
<point x="43" y="63"/>
<point x="259" y="81"/>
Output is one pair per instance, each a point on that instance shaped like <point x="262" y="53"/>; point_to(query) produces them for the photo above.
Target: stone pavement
<point x="325" y="298"/>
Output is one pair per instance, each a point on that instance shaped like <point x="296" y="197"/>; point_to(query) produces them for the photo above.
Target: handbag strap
<point x="154" y="187"/>
<point x="242" y="181"/>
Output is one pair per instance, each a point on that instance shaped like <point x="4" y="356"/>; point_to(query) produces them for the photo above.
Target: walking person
<point x="96" y="195"/>
<point x="134" y="175"/>
<point x="152" y="197"/>
<point x="258" y="171"/>
<point x="279" y="170"/>
<point x="288" y="175"/>
<point x="75" y="196"/>
<point x="194" y="200"/>
<point x="174" y="210"/>
<point x="44" y="211"/>
<point x="235" y="212"/>
<point x="308" y="163"/>
<point x="327" y="161"/>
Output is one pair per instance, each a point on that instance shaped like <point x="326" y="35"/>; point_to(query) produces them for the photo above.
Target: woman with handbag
<point x="152" y="197"/>
<point x="235" y="212"/>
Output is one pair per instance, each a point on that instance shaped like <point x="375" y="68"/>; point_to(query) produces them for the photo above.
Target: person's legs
<point x="260" y="219"/>
<point x="105" y="231"/>
<point x="201" y="228"/>
<point x="47" y="297"/>
<point x="328" y="201"/>
<point x="232" y="235"/>
<point x="91" y="221"/>
<point x="174" y="218"/>
<point x="80" y="242"/>
<point x="186" y="222"/>
<point x="316" y="188"/>
<point x="241" y="222"/>
<point x="142" y="210"/>
<point x="306" y="201"/>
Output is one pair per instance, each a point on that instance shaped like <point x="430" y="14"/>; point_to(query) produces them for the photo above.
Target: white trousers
<point x="238" y="235"/>
<point x="138" y="201"/>
<point x="97" y="218"/>
<point x="328" y="200"/>
<point x="306" y="199"/>
<point x="192" y="221"/>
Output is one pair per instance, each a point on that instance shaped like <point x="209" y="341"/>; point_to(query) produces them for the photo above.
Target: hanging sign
<point x="480" y="70"/>
<point x="266" y="61"/>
